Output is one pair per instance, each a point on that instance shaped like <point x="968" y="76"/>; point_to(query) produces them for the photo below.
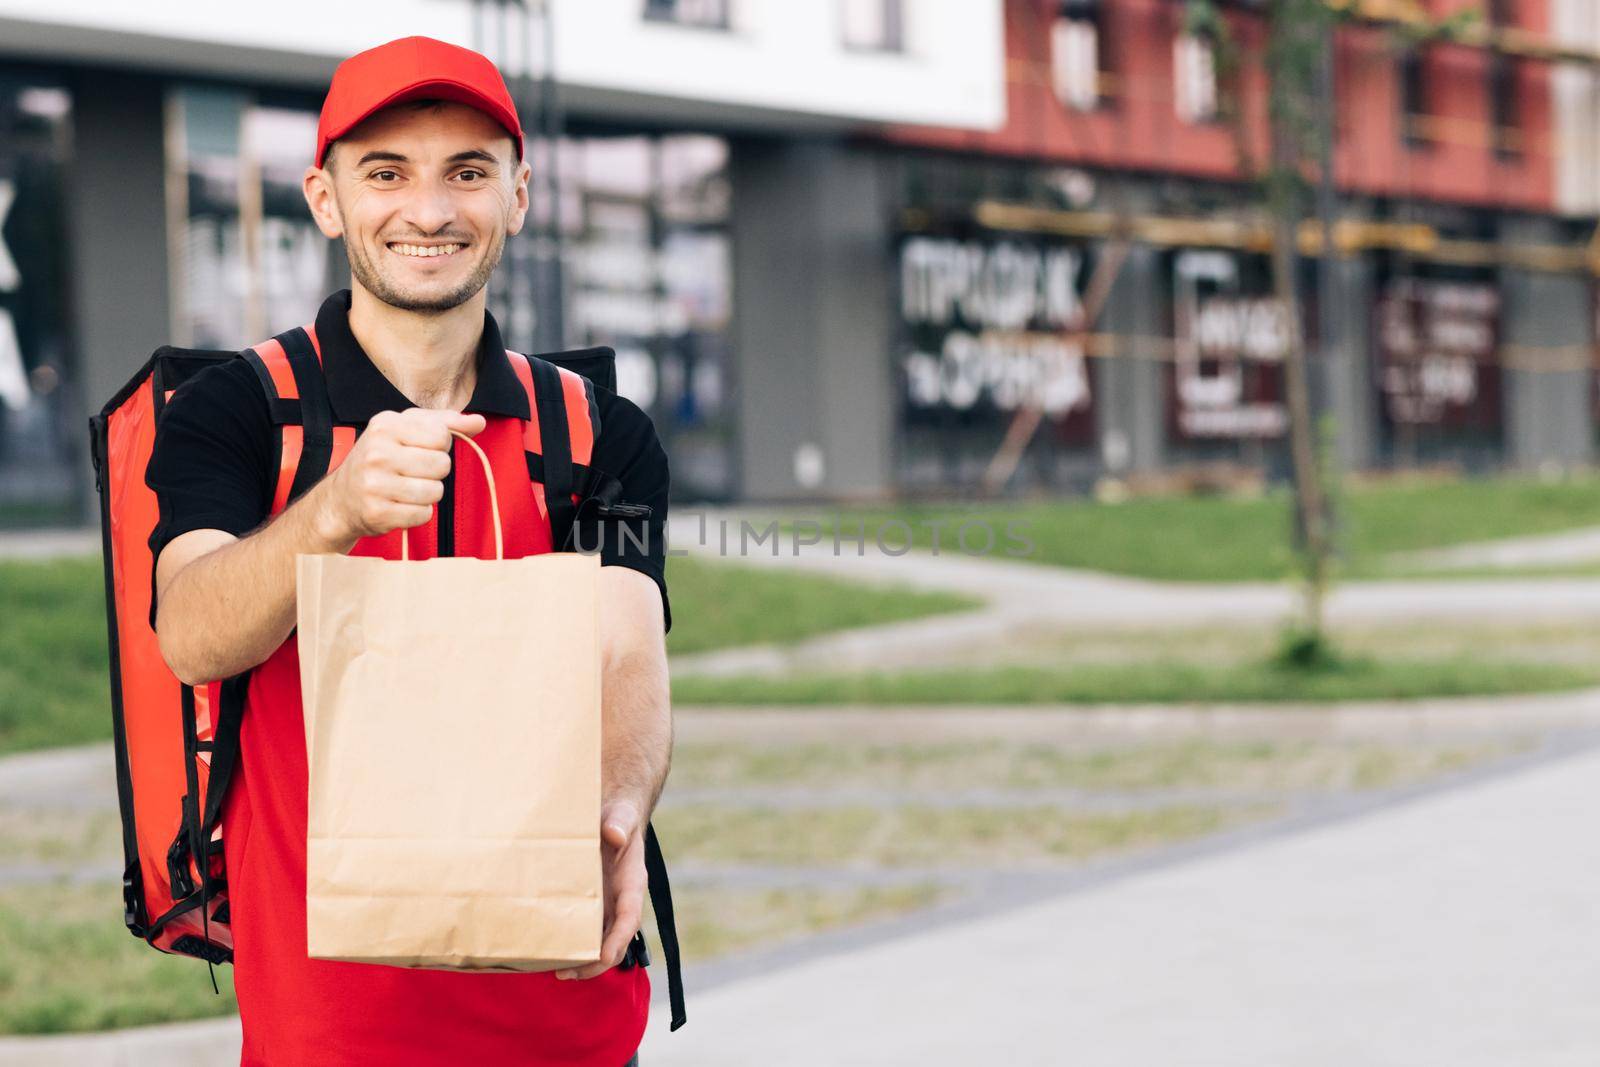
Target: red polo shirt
<point x="300" y="1011"/>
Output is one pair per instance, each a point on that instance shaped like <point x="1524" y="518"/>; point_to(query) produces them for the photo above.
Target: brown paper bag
<point x="453" y="742"/>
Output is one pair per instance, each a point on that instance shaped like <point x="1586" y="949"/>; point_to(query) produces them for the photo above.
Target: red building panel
<point x="1454" y="151"/>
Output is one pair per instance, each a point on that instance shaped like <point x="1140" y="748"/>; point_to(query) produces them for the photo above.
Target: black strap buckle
<point x="132" y="887"/>
<point x="178" y="862"/>
<point x="638" y="954"/>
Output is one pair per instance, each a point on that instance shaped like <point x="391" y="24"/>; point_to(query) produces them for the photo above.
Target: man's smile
<point x="425" y="251"/>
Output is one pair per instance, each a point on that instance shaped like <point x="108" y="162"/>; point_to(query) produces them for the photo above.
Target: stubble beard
<point x="381" y="287"/>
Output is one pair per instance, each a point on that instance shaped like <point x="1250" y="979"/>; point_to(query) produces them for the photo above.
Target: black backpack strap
<point x="597" y="365"/>
<point x="655" y="868"/>
<point x="555" y="445"/>
<point x="316" y="413"/>
<point x="224" y="759"/>
<point x="224" y="750"/>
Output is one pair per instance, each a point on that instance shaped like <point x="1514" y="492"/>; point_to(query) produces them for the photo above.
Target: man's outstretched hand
<point x="622" y="864"/>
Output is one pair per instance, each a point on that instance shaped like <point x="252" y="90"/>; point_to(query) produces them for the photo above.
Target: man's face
<point x="424" y="198"/>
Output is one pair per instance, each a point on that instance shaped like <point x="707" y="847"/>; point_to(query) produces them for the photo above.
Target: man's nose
<point x="429" y="208"/>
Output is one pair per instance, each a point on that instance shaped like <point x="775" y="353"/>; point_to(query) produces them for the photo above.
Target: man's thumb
<point x="619" y="823"/>
<point x="471" y="425"/>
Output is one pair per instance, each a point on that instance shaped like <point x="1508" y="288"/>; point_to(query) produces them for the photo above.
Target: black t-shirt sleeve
<point x="213" y="453"/>
<point x="629" y="450"/>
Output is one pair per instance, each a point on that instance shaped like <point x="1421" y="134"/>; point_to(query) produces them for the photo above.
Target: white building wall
<point x="781" y="62"/>
<point x="1576" y="97"/>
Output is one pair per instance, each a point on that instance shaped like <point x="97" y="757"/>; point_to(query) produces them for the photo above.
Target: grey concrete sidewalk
<point x="1413" y="934"/>
<point x="1020" y="597"/>
<point x="211" y="1043"/>
<point x="1461" y="928"/>
<point x="50" y="544"/>
<point x="1543" y="550"/>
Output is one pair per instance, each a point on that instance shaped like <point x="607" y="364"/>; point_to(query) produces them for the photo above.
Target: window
<point x="645" y="267"/>
<point x="1504" y="87"/>
<point x="40" y="469"/>
<point x="712" y="14"/>
<point x="1414" y="109"/>
<point x="1194" y="69"/>
<point x="245" y="253"/>
<point x="873" y="25"/>
<point x="1505" y="103"/>
<point x="1078" y="54"/>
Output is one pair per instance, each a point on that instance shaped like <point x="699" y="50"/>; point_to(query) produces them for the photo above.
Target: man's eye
<point x="384" y="175"/>
<point x="470" y="175"/>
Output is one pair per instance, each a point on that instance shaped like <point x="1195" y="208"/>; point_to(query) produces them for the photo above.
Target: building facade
<point x="855" y="248"/>
<point x="151" y="161"/>
<point x="1455" y="324"/>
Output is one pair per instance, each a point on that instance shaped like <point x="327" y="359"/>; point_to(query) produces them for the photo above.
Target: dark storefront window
<point x="247" y="259"/>
<point x="641" y="237"/>
<point x="1436" y="342"/>
<point x="645" y="266"/>
<point x="997" y="368"/>
<point x="1225" y="385"/>
<point x="992" y="361"/>
<point x="40" y="411"/>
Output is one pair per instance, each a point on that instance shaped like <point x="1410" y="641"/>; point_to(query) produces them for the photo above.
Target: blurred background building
<point x="853" y="248"/>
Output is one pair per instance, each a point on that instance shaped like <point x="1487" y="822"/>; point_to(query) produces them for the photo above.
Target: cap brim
<point x="443" y="89"/>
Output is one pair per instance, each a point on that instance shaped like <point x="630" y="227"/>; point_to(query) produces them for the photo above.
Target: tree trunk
<point x="1285" y="203"/>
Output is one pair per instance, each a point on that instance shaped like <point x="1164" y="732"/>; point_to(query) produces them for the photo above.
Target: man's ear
<point x="317" y="184"/>
<point x="519" y="207"/>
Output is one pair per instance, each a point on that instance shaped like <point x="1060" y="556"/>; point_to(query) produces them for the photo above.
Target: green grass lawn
<point x="718" y="605"/>
<point x="67" y="963"/>
<point x="54" y="680"/>
<point x="1187" y="763"/>
<point x="715" y="920"/>
<point x="54" y="687"/>
<point x="912" y="835"/>
<point x="1158" y="682"/>
<point x="1216" y="539"/>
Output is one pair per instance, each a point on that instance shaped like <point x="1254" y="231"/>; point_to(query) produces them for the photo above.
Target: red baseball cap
<point x="410" y="69"/>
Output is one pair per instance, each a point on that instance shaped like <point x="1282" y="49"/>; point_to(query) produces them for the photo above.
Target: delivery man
<point x="419" y="169"/>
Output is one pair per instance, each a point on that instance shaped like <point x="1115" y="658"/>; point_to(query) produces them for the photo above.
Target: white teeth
<point x="425" y="251"/>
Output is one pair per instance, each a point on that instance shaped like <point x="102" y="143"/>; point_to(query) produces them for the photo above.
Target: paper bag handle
<point x="494" y="504"/>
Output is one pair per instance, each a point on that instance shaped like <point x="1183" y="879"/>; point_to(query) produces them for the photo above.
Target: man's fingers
<point x="623" y="926"/>
<point x="401" y="517"/>
<point x="415" y="462"/>
<point x="417" y="491"/>
<point x="612" y="950"/>
<point x="625" y="886"/>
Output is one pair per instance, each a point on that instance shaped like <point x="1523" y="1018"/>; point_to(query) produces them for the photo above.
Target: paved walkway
<point x="1454" y="924"/>
<point x="1543" y="550"/>
<point x="50" y="544"/>
<point x="1022" y="598"/>
<point x="1462" y="928"/>
<point x="1459" y="928"/>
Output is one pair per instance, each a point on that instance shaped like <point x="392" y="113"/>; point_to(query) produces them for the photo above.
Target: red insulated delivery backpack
<point x="175" y="744"/>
